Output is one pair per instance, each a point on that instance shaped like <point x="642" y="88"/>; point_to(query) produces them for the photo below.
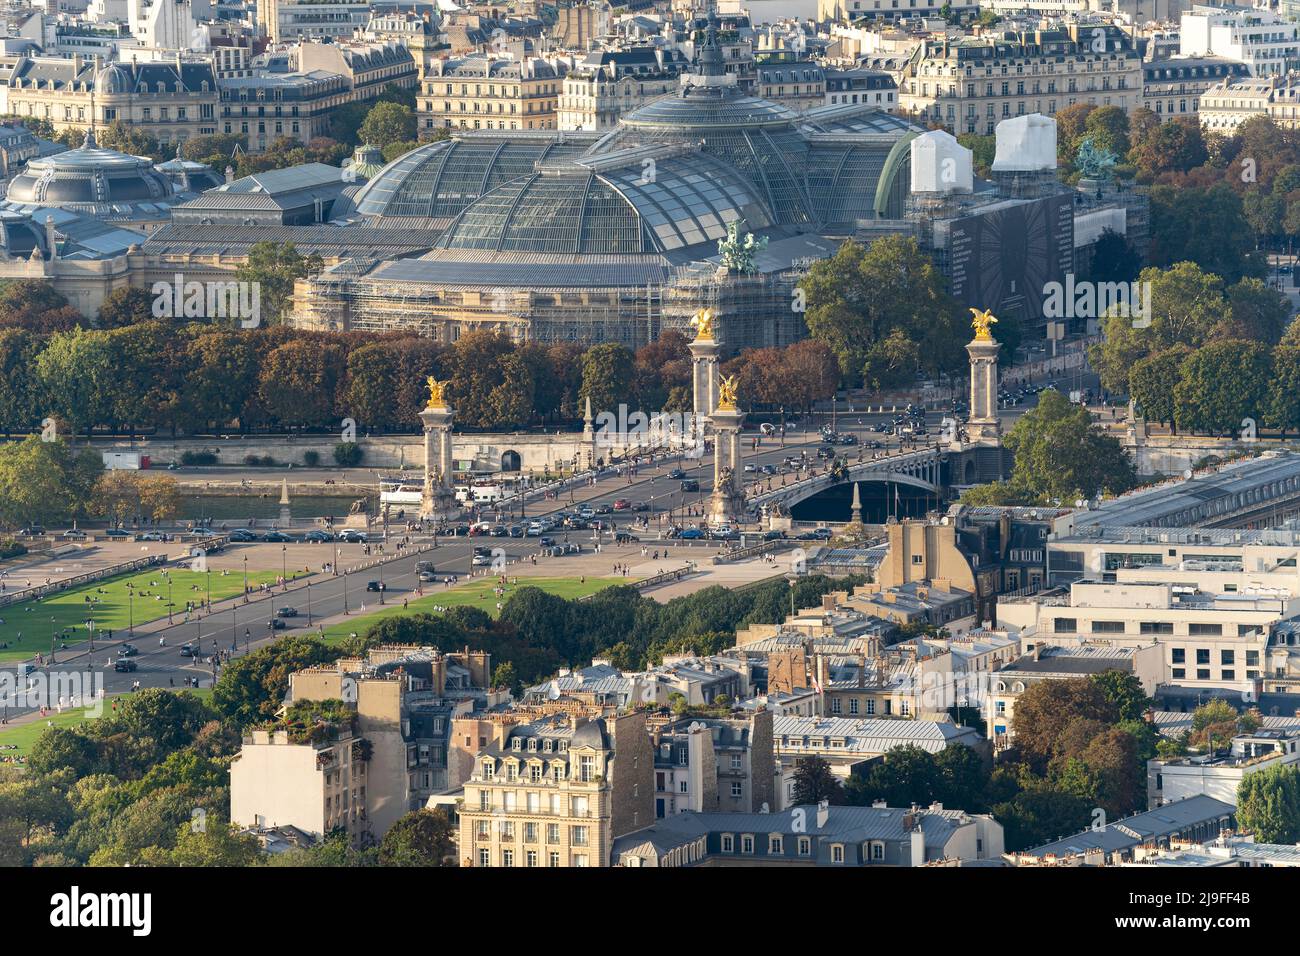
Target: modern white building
<point x="1218" y="774"/>
<point x="1208" y="640"/>
<point x="1267" y="43"/>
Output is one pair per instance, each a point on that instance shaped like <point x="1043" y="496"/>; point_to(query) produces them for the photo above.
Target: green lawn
<point x="26" y="627"/>
<point x="477" y="592"/>
<point x="24" y="735"/>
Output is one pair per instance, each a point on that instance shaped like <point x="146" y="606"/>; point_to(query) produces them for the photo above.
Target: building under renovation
<point x="589" y="237"/>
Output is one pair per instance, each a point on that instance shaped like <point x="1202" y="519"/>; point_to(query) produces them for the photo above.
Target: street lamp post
<point x="345" y="593"/>
<point x="130" y="609"/>
<point x="309" y="604"/>
<point x="169" y="596"/>
<point x="245" y="579"/>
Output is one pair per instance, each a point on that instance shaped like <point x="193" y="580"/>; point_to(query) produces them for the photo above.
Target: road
<point x="240" y="625"/>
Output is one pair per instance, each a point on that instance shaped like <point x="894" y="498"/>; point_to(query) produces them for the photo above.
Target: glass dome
<point x="438" y="180"/>
<point x="573" y="209"/>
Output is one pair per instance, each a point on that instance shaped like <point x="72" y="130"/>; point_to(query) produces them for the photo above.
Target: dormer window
<point x="547" y="745"/>
<point x="532" y="745"/>
<point x="518" y="743"/>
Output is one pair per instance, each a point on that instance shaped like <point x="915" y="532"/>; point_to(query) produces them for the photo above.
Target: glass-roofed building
<point x="590" y="237"/>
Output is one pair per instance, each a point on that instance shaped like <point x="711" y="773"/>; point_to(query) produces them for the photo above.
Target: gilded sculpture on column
<point x="702" y="323"/>
<point x="982" y="322"/>
<point x="727" y="394"/>
<point x="437" y="393"/>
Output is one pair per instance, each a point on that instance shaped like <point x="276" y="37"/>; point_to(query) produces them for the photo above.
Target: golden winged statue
<point x="702" y="323"/>
<point x="727" y="394"/>
<point x="981" y="323"/>
<point x="437" y="393"/>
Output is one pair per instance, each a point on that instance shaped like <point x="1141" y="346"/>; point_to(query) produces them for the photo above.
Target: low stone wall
<point x="485" y="452"/>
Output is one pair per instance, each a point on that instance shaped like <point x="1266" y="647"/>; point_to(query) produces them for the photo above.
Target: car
<point x="117" y="533"/>
<point x="824" y="452"/>
<point x="640" y="506"/>
<point x="690" y="484"/>
<point x="622" y="504"/>
<point x="287" y="612"/>
<point x="187" y="650"/>
<point x="724" y="533"/>
<point x="427" y="576"/>
<point x="750" y="468"/>
<point x="317" y="535"/>
<point x="535" y="528"/>
<point x="276" y="624"/>
<point x="624" y="538"/>
<point x="676" y="474"/>
<point x="374" y="585"/>
<point x="516" y="531"/>
<point x="352" y="536"/>
<point x="124" y="665"/>
<point x="151" y="536"/>
<point x="604" y="509"/>
<point x="774" y="536"/>
<point x="546" y="541"/>
<point x="74" y="534"/>
<point x="821" y="534"/>
<point x="691" y="534"/>
<point x="34" y="531"/>
<point x="586" y="511"/>
<point x="847" y="440"/>
<point x="279" y="537"/>
<point x="482" y="557"/>
<point x="242" y="535"/>
<point x="768" y="469"/>
<point x="128" y="650"/>
<point x="500" y="531"/>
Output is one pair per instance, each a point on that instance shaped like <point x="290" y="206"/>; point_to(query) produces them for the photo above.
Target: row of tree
<point x="535" y="634"/>
<point x="136" y="371"/>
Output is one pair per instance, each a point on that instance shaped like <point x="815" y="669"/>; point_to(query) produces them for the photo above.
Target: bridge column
<point x="983" y="426"/>
<point x="438" y="501"/>
<point x="728" y="501"/>
<point x="704" y="364"/>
